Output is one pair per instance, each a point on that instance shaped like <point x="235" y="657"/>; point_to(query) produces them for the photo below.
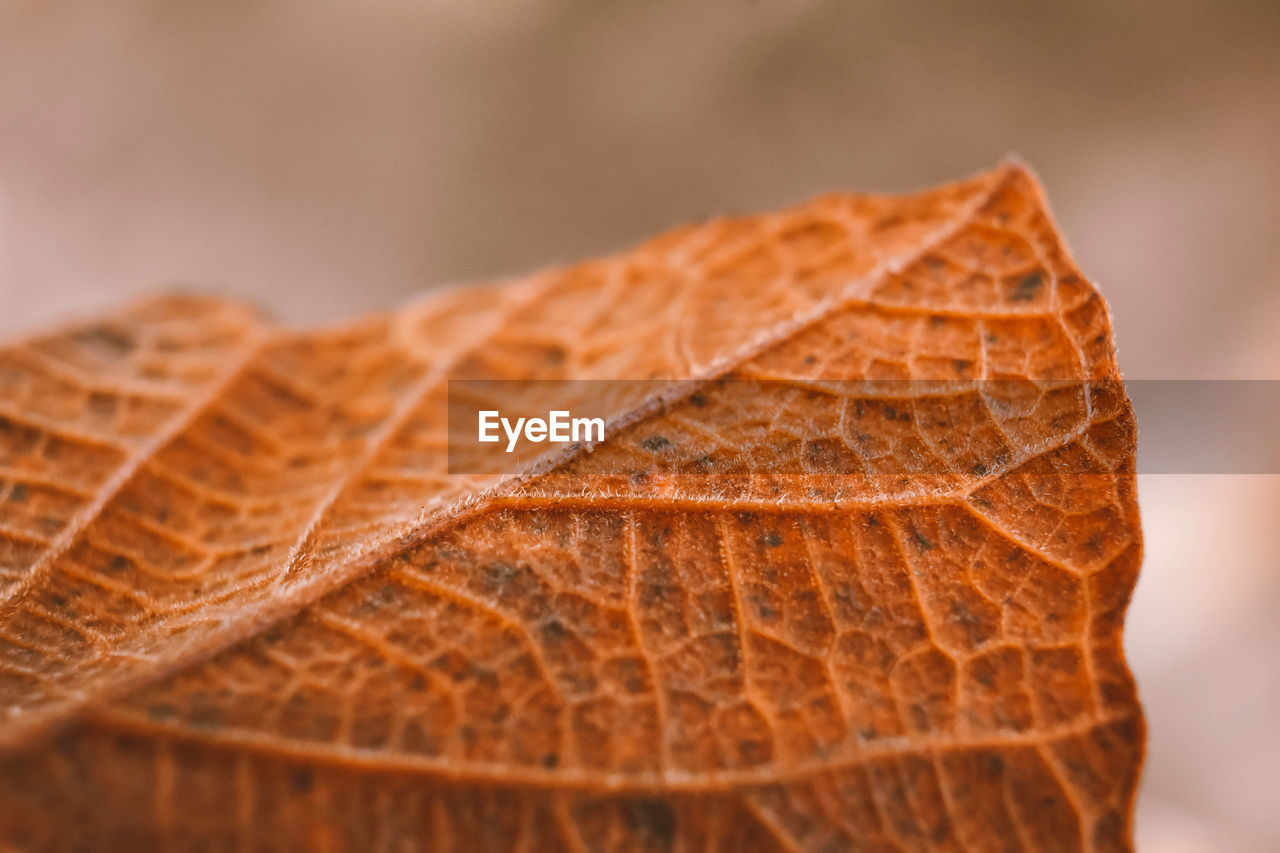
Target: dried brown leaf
<point x="244" y="604"/>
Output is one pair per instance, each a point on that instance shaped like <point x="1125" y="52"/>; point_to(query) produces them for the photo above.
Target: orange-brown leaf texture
<point x="245" y="606"/>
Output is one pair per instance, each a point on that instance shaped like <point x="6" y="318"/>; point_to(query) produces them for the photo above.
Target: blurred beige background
<point x="328" y="158"/>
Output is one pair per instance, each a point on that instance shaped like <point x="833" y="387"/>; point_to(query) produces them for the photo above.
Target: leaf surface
<point x="243" y="602"/>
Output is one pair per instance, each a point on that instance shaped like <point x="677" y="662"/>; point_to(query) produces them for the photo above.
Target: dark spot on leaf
<point x="653" y="821"/>
<point x="160" y="713"/>
<point x="753" y="751"/>
<point x="772" y="538"/>
<point x="764" y="607"/>
<point x="1110" y="825"/>
<point x="18" y="493"/>
<point x="102" y="405"/>
<point x="105" y="341"/>
<point x="1027" y="288"/>
<point x="698" y="399"/>
<point x="655" y="593"/>
<point x="655" y="443"/>
<point x="499" y="574"/>
<point x="303" y="780"/>
<point x="550" y="760"/>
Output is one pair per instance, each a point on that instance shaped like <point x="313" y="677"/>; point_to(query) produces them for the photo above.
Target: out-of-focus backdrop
<point x="329" y="157"/>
